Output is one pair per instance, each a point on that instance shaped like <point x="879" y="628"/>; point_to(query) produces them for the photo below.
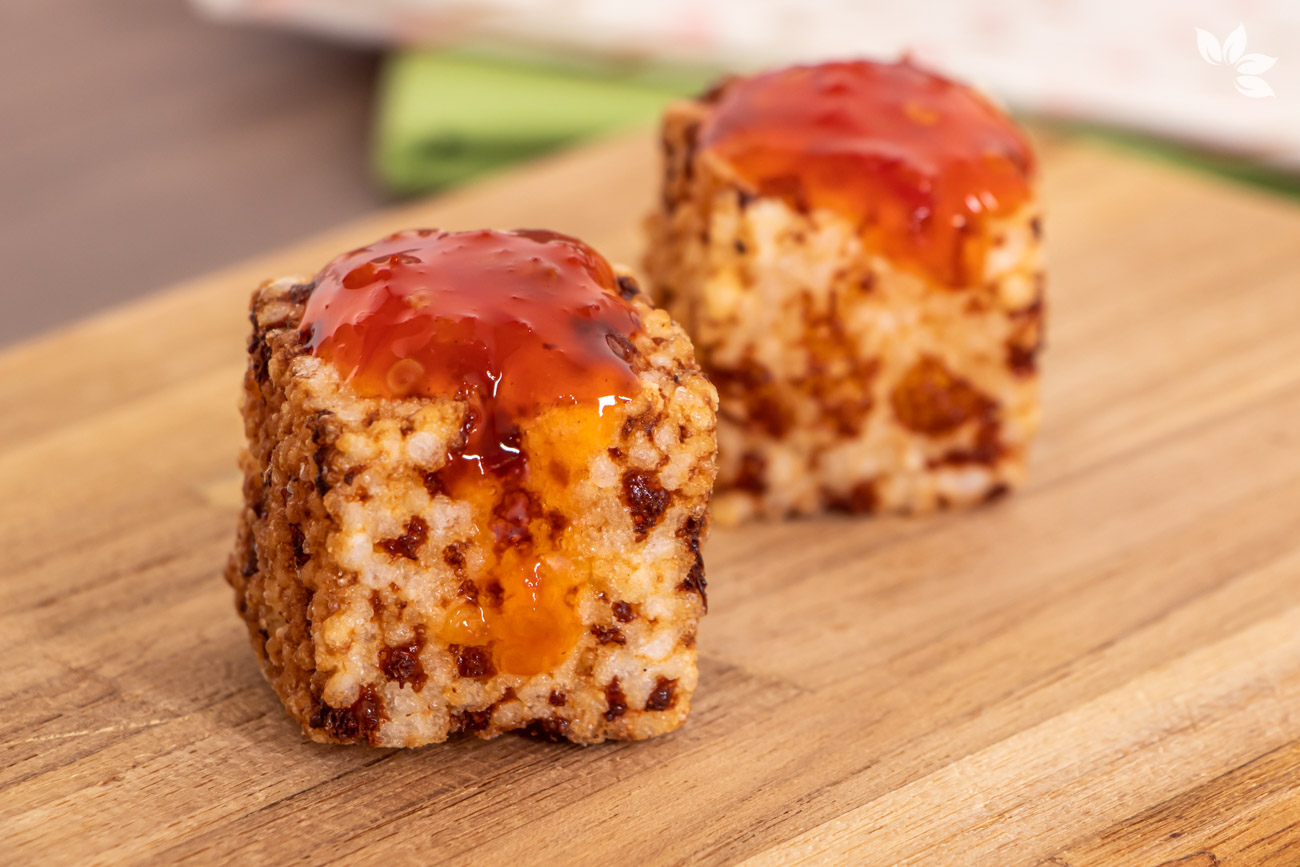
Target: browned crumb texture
<point x="845" y="381"/>
<point x="350" y="557"/>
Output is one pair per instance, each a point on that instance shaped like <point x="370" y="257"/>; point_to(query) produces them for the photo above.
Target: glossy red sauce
<point x="514" y="323"/>
<point x="918" y="159"/>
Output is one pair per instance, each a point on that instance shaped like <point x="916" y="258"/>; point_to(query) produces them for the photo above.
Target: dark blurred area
<point x="142" y="145"/>
<point x="145" y="142"/>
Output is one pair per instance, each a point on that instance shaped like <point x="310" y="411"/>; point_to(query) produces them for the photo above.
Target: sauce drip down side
<point x="916" y="158"/>
<point x="522" y="326"/>
<point x="513" y="322"/>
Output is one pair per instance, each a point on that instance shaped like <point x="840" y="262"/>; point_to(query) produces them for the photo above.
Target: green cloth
<point x="445" y="118"/>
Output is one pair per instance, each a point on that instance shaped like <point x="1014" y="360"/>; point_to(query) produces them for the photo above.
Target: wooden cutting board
<point x="1102" y="669"/>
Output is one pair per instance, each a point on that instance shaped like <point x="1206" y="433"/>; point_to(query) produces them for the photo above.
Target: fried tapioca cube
<point x="508" y="543"/>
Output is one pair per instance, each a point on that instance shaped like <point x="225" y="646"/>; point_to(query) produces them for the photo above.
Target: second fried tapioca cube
<point x="855" y="251"/>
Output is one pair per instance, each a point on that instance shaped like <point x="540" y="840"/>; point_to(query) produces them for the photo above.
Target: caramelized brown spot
<point x="623" y="612"/>
<point x="260" y="357"/>
<point x="846" y="399"/>
<point x="646" y="500"/>
<point x="454" y="556"/>
<point x="751" y="386"/>
<point x="861" y="499"/>
<point x="300" y="292"/>
<point x="694" y="581"/>
<point x="433" y="484"/>
<point x="1022" y="360"/>
<point x="473" y="661"/>
<point x="615" y="700"/>
<point x="1026" y="340"/>
<point x="298" y="541"/>
<point x="663" y="696"/>
<point x="359" y="721"/>
<point x="557" y="699"/>
<point x="932" y="400"/>
<point x="752" y="475"/>
<point x="322" y="486"/>
<point x="986" y="450"/>
<point x="473" y="720"/>
<point x="408" y="544"/>
<point x="554" y="729"/>
<point x="608" y="635"/>
<point x="402" y="662"/>
<point x="250" y="562"/>
<point x="644" y="422"/>
<point x="376" y="603"/>
<point x="837" y="374"/>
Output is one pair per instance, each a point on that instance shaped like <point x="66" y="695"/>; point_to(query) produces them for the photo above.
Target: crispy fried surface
<point x="846" y="381"/>
<point x="350" y="562"/>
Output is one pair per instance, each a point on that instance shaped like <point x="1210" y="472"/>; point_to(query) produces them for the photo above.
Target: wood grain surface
<point x="1103" y="669"/>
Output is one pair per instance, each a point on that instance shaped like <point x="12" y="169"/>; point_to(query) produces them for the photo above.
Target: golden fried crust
<point x="348" y="558"/>
<point x="846" y="380"/>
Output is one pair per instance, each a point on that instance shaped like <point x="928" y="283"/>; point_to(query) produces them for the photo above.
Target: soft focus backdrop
<point x="141" y="144"/>
<point x="146" y="141"/>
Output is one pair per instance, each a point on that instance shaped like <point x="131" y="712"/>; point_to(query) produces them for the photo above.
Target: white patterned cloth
<point x="1139" y="64"/>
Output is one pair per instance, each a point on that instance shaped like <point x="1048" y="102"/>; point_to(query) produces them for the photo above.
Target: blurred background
<point x="148" y="141"/>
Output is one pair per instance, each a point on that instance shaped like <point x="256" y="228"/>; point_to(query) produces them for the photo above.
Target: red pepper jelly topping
<point x="515" y="322"/>
<point x="917" y="158"/>
<point x="529" y="329"/>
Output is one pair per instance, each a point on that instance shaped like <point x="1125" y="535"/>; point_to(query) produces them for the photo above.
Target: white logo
<point x="1233" y="52"/>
